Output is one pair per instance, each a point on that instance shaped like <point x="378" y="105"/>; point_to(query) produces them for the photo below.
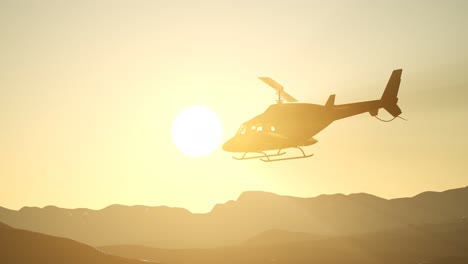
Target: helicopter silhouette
<point x="293" y="125"/>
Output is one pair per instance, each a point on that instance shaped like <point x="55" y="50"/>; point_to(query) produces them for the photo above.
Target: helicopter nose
<point x="229" y="145"/>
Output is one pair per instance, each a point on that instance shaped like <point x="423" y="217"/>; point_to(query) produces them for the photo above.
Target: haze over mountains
<point x="423" y="243"/>
<point x="237" y="221"/>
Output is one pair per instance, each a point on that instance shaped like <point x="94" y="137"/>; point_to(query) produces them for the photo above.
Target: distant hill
<point x="424" y="243"/>
<point x="276" y="237"/>
<point x="236" y="221"/>
<point x="20" y="246"/>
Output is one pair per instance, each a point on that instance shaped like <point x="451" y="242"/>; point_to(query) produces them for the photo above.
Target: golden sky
<point x="89" y="91"/>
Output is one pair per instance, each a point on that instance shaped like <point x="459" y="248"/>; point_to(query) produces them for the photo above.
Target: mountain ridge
<point x="235" y="221"/>
<point x="22" y="246"/>
<point x="242" y="197"/>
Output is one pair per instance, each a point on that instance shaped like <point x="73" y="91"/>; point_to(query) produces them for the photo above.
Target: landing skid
<point x="264" y="155"/>
<point x="268" y="157"/>
<point x="290" y="158"/>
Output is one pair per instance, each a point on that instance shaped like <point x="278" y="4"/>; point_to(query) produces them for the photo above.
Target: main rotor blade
<point x="272" y="83"/>
<point x="278" y="87"/>
<point x="288" y="97"/>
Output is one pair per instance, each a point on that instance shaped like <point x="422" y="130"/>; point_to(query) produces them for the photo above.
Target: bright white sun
<point x="197" y="131"/>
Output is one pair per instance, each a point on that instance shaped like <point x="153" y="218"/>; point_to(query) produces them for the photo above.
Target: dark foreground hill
<point x="425" y="243"/>
<point x="236" y="221"/>
<point x="26" y="247"/>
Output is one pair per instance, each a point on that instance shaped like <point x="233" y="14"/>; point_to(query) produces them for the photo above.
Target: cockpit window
<point x="242" y="130"/>
<point x="257" y="128"/>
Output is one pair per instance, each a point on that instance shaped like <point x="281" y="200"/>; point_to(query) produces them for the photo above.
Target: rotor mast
<point x="279" y="89"/>
<point x="279" y="100"/>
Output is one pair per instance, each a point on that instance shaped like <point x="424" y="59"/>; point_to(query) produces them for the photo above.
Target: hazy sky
<point x="89" y="91"/>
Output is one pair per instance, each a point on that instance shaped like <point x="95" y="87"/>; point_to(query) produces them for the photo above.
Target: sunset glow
<point x="100" y="96"/>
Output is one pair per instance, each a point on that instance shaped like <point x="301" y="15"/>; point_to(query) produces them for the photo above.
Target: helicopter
<point x="294" y="125"/>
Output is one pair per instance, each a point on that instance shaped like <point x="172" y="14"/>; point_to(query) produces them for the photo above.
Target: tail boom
<point x="388" y="101"/>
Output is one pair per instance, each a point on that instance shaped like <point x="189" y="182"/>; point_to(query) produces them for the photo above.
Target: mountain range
<point x="235" y="222"/>
<point x="422" y="243"/>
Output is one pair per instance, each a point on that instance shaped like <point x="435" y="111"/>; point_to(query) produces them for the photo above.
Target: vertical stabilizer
<point x="330" y="101"/>
<point x="390" y="96"/>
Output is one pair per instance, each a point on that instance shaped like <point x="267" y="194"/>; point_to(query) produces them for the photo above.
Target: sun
<point x="197" y="131"/>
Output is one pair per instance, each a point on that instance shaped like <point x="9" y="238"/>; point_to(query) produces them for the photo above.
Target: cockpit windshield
<point x="258" y="128"/>
<point x="242" y="130"/>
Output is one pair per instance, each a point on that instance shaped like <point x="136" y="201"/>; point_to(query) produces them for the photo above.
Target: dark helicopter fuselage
<point x="294" y="124"/>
